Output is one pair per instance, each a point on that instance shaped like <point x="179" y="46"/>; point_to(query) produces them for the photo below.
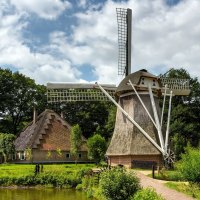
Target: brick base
<point x="130" y="161"/>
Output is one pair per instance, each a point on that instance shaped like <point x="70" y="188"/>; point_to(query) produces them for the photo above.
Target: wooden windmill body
<point x="128" y="146"/>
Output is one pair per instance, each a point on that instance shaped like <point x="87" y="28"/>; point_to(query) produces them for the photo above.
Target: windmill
<point x="139" y="136"/>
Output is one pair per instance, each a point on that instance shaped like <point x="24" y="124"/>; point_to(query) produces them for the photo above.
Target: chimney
<point x="34" y="115"/>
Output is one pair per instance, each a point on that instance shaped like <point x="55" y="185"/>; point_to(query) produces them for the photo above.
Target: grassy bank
<point x="168" y="175"/>
<point x="178" y="183"/>
<point x="62" y="175"/>
<point x="192" y="190"/>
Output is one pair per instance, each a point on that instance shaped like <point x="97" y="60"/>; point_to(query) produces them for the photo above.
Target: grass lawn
<point x="192" y="190"/>
<point x="18" y="170"/>
<point x="168" y="175"/>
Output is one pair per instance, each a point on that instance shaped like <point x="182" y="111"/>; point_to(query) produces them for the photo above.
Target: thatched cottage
<point x="47" y="139"/>
<point x="128" y="146"/>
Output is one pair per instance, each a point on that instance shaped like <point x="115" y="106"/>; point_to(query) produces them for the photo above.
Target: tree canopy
<point x="91" y="116"/>
<point x="18" y="95"/>
<point x="7" y="145"/>
<point x="96" y="147"/>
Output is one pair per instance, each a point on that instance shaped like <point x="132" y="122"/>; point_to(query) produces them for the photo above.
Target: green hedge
<point x="46" y="178"/>
<point x="42" y="179"/>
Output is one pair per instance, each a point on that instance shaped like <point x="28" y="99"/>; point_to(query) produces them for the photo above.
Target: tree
<point x="7" y="145"/>
<point x="18" y="95"/>
<point x="75" y="140"/>
<point x="110" y="124"/>
<point x="96" y="147"/>
<point x="89" y="116"/>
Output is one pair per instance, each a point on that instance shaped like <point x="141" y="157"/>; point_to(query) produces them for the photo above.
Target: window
<point x="22" y="155"/>
<point x="13" y="156"/>
<point x="67" y="155"/>
<point x="142" y="81"/>
<point x="80" y="155"/>
<point x="154" y="83"/>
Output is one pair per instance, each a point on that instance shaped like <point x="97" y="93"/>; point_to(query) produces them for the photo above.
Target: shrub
<point x="88" y="182"/>
<point x="117" y="184"/>
<point x="189" y="165"/>
<point x="79" y="187"/>
<point x="96" y="147"/>
<point x="146" y="194"/>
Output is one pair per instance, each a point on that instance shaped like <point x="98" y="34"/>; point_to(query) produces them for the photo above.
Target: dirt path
<point x="160" y="188"/>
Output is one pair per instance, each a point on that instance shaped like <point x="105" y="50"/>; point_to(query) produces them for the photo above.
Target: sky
<point x="76" y="40"/>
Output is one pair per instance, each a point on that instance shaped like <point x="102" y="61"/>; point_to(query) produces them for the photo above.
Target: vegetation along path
<point x="167" y="193"/>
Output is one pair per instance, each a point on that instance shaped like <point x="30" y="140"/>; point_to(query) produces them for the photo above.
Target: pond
<point x="43" y="194"/>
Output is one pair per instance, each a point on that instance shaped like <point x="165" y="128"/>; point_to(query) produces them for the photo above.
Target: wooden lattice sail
<point x="68" y="92"/>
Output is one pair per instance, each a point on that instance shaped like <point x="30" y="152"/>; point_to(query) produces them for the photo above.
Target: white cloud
<point x="42" y="67"/>
<point x="48" y="69"/>
<point x="82" y="3"/>
<point x="47" y="9"/>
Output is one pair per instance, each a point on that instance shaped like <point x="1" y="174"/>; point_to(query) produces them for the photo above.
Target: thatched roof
<point x="49" y="132"/>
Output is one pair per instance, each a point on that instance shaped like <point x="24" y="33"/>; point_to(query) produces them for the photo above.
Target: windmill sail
<point x="67" y="92"/>
<point x="179" y="87"/>
<point x="124" y="20"/>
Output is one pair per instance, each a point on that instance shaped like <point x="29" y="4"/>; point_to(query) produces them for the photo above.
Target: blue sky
<point x="76" y="40"/>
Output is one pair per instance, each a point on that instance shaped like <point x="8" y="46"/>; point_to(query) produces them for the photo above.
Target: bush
<point x="54" y="179"/>
<point x="146" y="194"/>
<point x="117" y="184"/>
<point x="79" y="187"/>
<point x="96" y="147"/>
<point x="189" y="165"/>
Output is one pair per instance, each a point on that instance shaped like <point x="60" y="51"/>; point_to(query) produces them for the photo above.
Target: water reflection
<point x="43" y="194"/>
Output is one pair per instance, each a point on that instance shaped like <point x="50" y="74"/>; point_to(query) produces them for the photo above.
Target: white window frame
<point x="22" y="155"/>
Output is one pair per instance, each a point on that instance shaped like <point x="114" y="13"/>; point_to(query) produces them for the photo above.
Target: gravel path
<point x="160" y="188"/>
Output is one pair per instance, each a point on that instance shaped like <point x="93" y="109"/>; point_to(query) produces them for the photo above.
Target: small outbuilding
<point x="47" y="140"/>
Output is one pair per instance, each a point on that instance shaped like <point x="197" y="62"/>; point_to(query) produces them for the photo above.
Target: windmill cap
<point x="135" y="79"/>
